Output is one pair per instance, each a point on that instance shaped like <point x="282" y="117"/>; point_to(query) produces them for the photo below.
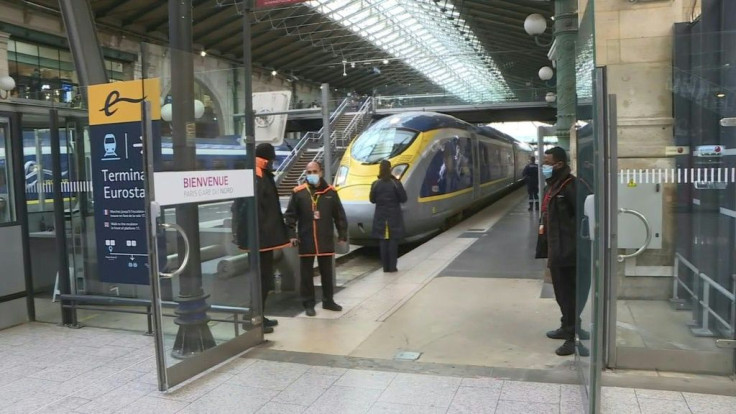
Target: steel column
<point x="566" y="29"/>
<point x="79" y="23"/>
<point x="194" y="335"/>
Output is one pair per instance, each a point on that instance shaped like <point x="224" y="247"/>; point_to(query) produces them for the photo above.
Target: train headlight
<point x="399" y="170"/>
<point x="341" y="176"/>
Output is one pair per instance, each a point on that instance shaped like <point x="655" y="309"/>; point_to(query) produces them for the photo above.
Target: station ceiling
<point x="302" y="42"/>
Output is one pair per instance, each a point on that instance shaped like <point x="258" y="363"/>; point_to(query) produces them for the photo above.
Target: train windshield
<point x="379" y="144"/>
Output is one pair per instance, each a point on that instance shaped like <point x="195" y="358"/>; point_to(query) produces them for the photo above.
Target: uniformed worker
<point x="272" y="232"/>
<point x="313" y="213"/>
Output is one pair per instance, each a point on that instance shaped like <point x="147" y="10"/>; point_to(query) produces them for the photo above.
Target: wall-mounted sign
<point x="182" y="187"/>
<point x="118" y="178"/>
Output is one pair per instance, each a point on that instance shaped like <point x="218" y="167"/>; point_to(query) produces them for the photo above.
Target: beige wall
<point x="634" y="42"/>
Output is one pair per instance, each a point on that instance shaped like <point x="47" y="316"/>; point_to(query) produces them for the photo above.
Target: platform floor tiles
<point x="49" y="369"/>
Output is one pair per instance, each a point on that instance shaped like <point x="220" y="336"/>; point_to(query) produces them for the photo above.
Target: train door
<point x="476" y="167"/>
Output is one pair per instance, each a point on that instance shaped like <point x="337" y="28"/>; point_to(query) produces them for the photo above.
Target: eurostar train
<point x="446" y="166"/>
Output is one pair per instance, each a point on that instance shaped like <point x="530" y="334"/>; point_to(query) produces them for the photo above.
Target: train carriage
<point x="445" y="164"/>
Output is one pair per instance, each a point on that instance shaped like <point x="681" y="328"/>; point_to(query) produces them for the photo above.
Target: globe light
<point x="7" y="83"/>
<point x="550" y="97"/>
<point x="166" y="112"/>
<point x="198" y="109"/>
<point x="535" y="24"/>
<point x="546" y="73"/>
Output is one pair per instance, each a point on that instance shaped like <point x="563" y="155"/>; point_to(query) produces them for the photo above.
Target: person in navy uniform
<point x="313" y="213"/>
<point x="530" y="173"/>
<point x="387" y="193"/>
<point x="559" y="222"/>
<point x="272" y="232"/>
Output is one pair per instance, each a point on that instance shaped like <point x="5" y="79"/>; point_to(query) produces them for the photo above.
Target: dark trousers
<point x="307" y="273"/>
<point x="533" y="196"/>
<point x="564" y="281"/>
<point x="266" y="259"/>
<point x="389" y="254"/>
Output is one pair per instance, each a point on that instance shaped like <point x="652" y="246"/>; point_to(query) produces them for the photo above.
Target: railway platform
<point x="459" y="329"/>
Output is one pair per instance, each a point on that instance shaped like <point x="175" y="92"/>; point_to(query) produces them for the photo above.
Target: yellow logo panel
<point x="118" y="102"/>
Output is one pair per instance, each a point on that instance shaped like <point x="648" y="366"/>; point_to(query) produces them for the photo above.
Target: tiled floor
<point x="48" y="369"/>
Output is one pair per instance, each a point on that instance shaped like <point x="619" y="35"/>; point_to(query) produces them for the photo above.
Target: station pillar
<point x="194" y="335"/>
<point x="566" y="29"/>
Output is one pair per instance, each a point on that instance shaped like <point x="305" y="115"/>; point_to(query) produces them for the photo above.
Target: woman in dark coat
<point x="387" y="194"/>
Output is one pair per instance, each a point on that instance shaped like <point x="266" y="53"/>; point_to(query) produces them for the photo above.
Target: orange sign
<point x="118" y="102"/>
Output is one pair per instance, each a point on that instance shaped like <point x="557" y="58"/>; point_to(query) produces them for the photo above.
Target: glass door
<point x="204" y="286"/>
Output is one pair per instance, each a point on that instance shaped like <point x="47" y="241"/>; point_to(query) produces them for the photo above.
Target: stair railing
<point x="301" y="145"/>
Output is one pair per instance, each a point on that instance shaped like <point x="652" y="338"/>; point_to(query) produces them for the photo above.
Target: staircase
<point x="344" y="128"/>
<point x="291" y="177"/>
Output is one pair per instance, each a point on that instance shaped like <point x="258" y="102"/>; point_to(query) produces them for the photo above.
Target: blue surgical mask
<point x="313" y="179"/>
<point x="547" y="171"/>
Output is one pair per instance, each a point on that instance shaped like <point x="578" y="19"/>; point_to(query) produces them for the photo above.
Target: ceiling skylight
<point x="438" y="44"/>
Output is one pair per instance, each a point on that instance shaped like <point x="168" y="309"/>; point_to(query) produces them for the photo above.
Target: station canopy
<point x="474" y="50"/>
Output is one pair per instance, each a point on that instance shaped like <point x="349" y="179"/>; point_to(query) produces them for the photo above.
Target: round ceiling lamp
<point x="535" y="24"/>
<point x="546" y="73"/>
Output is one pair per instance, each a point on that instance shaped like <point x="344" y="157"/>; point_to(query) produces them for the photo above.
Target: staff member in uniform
<point x="530" y="173"/>
<point x="560" y="225"/>
<point x="387" y="194"/>
<point x="313" y="213"/>
<point x="272" y="233"/>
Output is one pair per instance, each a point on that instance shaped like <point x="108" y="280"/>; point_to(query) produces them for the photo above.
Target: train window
<point x="379" y="144"/>
<point x="7" y="213"/>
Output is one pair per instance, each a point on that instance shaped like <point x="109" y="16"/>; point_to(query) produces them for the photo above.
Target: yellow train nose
<point x="354" y="192"/>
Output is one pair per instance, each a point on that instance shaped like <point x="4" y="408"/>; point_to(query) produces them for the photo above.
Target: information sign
<point x="181" y="187"/>
<point x="118" y="179"/>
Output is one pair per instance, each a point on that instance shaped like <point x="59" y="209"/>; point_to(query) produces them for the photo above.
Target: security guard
<point x="313" y="213"/>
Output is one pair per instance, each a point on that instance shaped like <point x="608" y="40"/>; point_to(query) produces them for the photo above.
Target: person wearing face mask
<point x="313" y="213"/>
<point x="559" y="223"/>
<point x="272" y="233"/>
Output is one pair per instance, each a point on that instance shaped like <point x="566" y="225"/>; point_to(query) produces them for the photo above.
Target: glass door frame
<point x="184" y="369"/>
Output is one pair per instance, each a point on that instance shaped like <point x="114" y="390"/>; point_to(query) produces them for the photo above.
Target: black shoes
<point x="558" y="333"/>
<point x="568" y="348"/>
<point x="331" y="305"/>
<point x="270" y="322"/>
<point x="310" y="311"/>
<point x="267" y="329"/>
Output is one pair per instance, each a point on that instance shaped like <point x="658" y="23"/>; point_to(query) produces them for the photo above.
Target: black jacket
<point x="560" y="220"/>
<point x="531" y="172"/>
<point x="316" y="235"/>
<point x="272" y="232"/>
<point x="388" y="195"/>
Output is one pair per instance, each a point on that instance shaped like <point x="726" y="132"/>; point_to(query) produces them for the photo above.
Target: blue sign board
<point x="119" y="200"/>
<point x="118" y="178"/>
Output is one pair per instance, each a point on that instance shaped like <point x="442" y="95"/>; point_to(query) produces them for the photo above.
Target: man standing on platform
<point x="313" y="213"/>
<point x="530" y="173"/>
<point x="559" y="223"/>
<point x="272" y="233"/>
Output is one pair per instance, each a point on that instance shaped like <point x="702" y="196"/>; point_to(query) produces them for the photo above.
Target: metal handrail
<point x="319" y="156"/>
<point x="644" y="220"/>
<point x="298" y="149"/>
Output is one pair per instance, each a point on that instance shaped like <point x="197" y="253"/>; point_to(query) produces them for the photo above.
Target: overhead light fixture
<point x="385" y="61"/>
<point x="546" y="73"/>
<point x="7" y="84"/>
<point x="550" y="97"/>
<point x="720" y="95"/>
<point x="274" y="73"/>
<point x="352" y="65"/>
<point x="203" y="53"/>
<point x="535" y="25"/>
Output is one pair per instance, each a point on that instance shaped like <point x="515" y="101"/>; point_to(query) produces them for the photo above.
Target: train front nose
<point x="359" y="212"/>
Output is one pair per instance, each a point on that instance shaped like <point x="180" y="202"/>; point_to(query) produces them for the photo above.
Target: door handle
<point x="644" y="220"/>
<point x="184" y="262"/>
